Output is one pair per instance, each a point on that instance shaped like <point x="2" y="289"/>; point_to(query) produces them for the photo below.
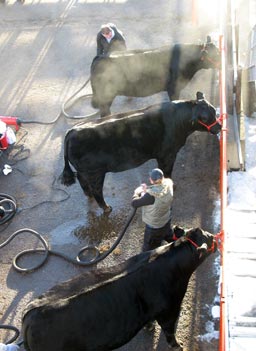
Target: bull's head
<point x="204" y="115"/>
<point x="210" y="54"/>
<point x="204" y="242"/>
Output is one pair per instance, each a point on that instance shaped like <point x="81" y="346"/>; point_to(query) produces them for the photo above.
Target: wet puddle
<point x="63" y="234"/>
<point x="94" y="230"/>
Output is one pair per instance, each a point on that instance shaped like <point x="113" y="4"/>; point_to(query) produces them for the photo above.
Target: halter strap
<point x="211" y="249"/>
<point x="208" y="127"/>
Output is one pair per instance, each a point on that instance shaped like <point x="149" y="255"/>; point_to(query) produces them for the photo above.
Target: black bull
<point x="142" y="73"/>
<point x="130" y="139"/>
<point x="75" y="316"/>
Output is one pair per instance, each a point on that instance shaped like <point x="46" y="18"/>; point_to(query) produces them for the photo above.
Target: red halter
<point x="211" y="249"/>
<point x="211" y="125"/>
<point x="207" y="58"/>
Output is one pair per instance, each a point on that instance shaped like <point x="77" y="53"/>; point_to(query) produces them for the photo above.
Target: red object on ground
<point x="11" y="121"/>
<point x="3" y="142"/>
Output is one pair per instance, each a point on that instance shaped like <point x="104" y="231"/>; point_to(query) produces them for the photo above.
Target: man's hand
<point x="141" y="190"/>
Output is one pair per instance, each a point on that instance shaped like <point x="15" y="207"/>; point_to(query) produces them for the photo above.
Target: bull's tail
<point x="67" y="176"/>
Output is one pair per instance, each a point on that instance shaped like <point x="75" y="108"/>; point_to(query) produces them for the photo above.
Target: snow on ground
<point x="240" y="272"/>
<point x="242" y="185"/>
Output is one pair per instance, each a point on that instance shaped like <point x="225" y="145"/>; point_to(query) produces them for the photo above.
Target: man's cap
<point x="156" y="174"/>
<point x="105" y="29"/>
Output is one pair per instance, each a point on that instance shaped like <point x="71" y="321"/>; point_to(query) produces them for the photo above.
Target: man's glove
<point x="140" y="190"/>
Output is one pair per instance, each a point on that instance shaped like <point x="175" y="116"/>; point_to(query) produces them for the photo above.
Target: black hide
<point x="142" y="73"/>
<point x="75" y="316"/>
<point x="128" y="140"/>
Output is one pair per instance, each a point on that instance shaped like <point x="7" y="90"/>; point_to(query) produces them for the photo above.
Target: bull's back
<point x="118" y="144"/>
<point x="80" y="321"/>
<point x="136" y="74"/>
<point x="120" y="307"/>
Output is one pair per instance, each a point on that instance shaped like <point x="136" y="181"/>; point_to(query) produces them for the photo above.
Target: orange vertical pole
<point x="194" y="12"/>
<point x="223" y="191"/>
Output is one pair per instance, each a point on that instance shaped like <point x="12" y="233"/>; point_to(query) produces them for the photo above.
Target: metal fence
<point x="252" y="56"/>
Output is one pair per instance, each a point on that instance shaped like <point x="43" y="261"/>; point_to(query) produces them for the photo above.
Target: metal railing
<point x="223" y="193"/>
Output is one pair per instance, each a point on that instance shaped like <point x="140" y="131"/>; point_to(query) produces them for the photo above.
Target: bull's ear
<point x="200" y="96"/>
<point x="202" y="250"/>
<point x="178" y="231"/>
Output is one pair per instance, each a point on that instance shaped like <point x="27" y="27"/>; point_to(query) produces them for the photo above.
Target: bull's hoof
<point x="175" y="346"/>
<point x="150" y="326"/>
<point x="107" y="209"/>
<point x="94" y="103"/>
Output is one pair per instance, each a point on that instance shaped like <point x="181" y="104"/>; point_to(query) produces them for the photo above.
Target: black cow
<point x="128" y="140"/>
<point x="142" y="73"/>
<point x="74" y="316"/>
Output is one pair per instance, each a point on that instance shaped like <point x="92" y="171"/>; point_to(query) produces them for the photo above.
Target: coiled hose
<point x="46" y="251"/>
<point x="7" y="207"/>
<point x="16" y="333"/>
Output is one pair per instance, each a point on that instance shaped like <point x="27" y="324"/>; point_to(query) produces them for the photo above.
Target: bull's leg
<point x="105" y="109"/>
<point x="170" y="338"/>
<point x="84" y="184"/>
<point x="168" y="324"/>
<point x="97" y="182"/>
<point x="166" y="166"/>
<point x="170" y="91"/>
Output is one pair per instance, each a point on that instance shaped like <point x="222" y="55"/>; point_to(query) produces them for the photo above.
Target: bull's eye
<point x="204" y="115"/>
<point x="203" y="119"/>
